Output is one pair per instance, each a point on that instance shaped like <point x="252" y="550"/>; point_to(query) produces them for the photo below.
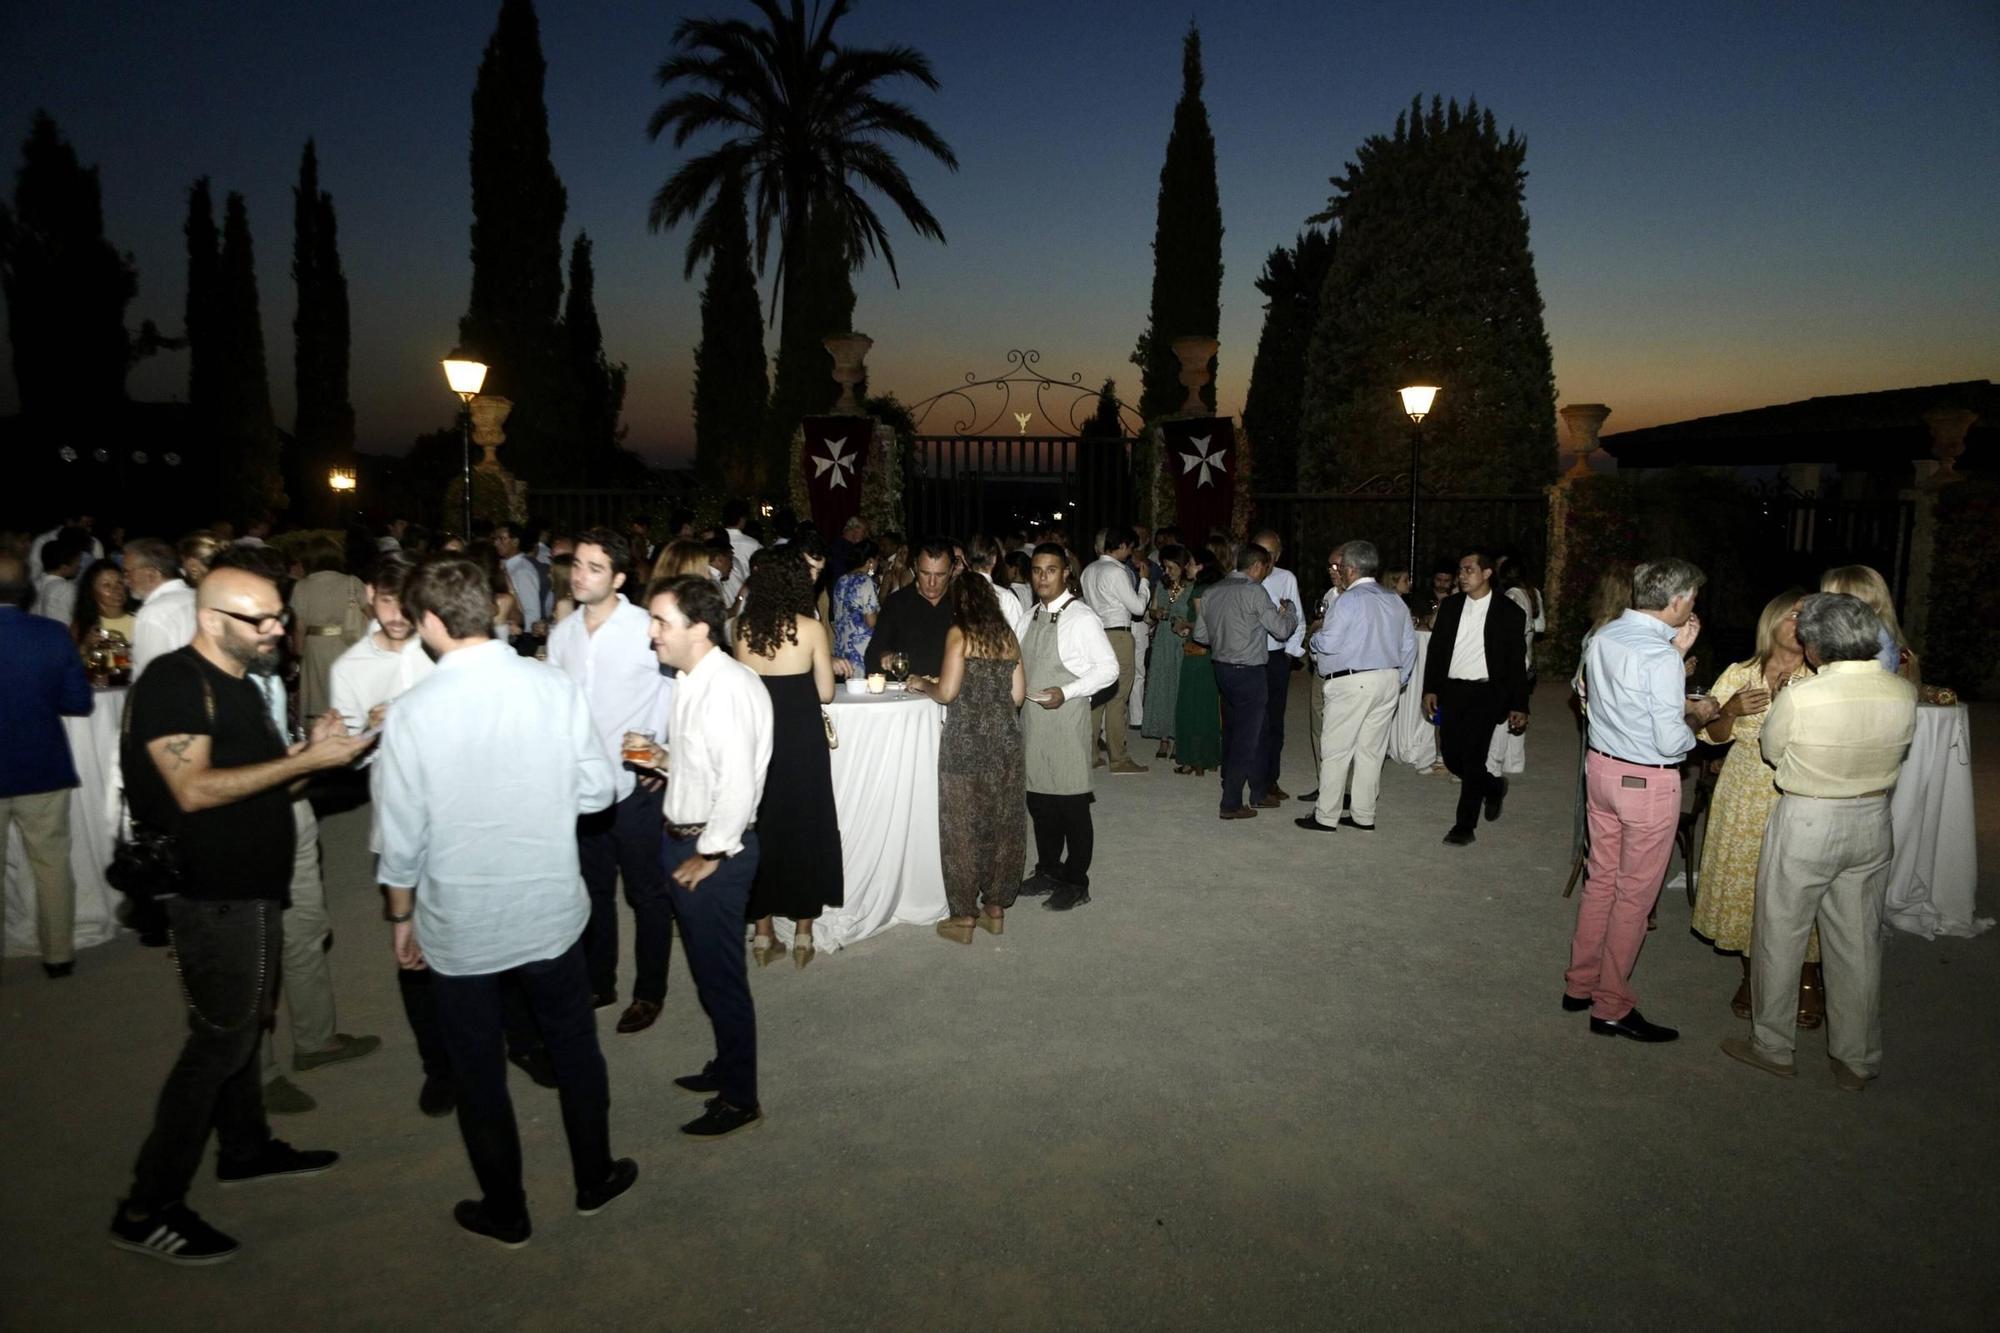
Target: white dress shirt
<point x="619" y="675"/>
<point x="1085" y="652"/>
<point x="35" y="570"/>
<point x="1281" y="585"/>
<point x="1011" y="608"/>
<point x="741" y="548"/>
<point x="1468" y="650"/>
<point x="527" y="586"/>
<point x="721" y="747"/>
<point x="55" y="597"/>
<point x="366" y="675"/>
<point x="165" y="622"/>
<point x="483" y="770"/>
<point x="1108" y="590"/>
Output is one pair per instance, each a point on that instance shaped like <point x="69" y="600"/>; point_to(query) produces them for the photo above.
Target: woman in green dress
<point x="1198" y="706"/>
<point x="1163" y="656"/>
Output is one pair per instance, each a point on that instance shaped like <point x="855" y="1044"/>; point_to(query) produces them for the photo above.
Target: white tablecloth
<point x="885" y="789"/>
<point x="93" y="744"/>
<point x="1412" y="740"/>
<point x="1932" y="878"/>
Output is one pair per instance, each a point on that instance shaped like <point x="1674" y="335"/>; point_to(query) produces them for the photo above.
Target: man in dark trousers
<point x="1474" y="679"/>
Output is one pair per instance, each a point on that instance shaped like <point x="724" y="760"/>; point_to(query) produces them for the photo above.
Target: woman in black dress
<point x="799" y="870"/>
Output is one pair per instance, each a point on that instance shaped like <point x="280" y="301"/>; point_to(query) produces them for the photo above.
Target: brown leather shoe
<point x="1272" y="800"/>
<point x="638" y="1015"/>
<point x="1742" y="1048"/>
<point x="1812" y="997"/>
<point x="1847" y="1078"/>
<point x="1240" y="812"/>
<point x="1279" y="793"/>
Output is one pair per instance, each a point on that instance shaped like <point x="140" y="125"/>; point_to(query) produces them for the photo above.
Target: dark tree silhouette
<point x="323" y="430"/>
<point x="600" y="385"/>
<point x="1104" y="422"/>
<point x="202" y="313"/>
<point x="821" y="302"/>
<point x="247" y="436"/>
<point x="1291" y="283"/>
<point x="1187" y="249"/>
<point x="731" y="386"/>
<point x="808" y="130"/>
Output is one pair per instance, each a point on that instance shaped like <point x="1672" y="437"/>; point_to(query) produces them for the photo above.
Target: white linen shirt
<point x="1281" y="585"/>
<point x="165" y="623"/>
<point x="1108" y="590"/>
<point x="619" y="675"/>
<point x="741" y="548"/>
<point x="1011" y="608"/>
<point x="721" y="727"/>
<point x="1084" y="650"/>
<point x="1468" y="650"/>
<point x="483" y="770"/>
<point x="55" y="597"/>
<point x="366" y="675"/>
<point x="527" y="586"/>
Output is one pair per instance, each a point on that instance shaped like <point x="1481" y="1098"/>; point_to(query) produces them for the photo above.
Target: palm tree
<point x="807" y="128"/>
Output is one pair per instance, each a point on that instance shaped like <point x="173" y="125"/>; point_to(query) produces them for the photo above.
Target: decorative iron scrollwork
<point x="1035" y="389"/>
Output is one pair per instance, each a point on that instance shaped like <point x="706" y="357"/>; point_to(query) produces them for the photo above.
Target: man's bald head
<point x="241" y="618"/>
<point x="238" y="590"/>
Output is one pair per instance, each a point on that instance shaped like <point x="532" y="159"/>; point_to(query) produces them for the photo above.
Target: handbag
<point x="832" y="736"/>
<point x="146" y="863"/>
<point x="1189" y="648"/>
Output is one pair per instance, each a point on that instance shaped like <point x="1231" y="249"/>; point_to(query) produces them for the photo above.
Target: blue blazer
<point x="41" y="680"/>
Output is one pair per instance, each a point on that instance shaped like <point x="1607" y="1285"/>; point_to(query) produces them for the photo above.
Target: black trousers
<point x="711" y="917"/>
<point x="228" y="955"/>
<point x="420" y="1009"/>
<point x="1064" y="836"/>
<point x="1245" y="692"/>
<point x="1277" y="689"/>
<point x="1469" y="710"/>
<point x="623" y="841"/>
<point x="469" y="1017"/>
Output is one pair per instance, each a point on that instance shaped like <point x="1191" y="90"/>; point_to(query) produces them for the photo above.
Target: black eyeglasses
<point x="283" y="618"/>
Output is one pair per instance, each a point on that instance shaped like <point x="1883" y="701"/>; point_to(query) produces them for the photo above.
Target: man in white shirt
<point x="166" y="618"/>
<point x="721" y="728"/>
<point x="606" y="648"/>
<point x="80" y="523"/>
<point x="521" y="574"/>
<point x="388" y="660"/>
<point x="55" y="591"/>
<point x="741" y="547"/>
<point x="1108" y="591"/>
<point x="1474" y="679"/>
<point x="1067" y="658"/>
<point x="983" y="554"/>
<point x="1283" y="657"/>
<point x="483" y="770"/>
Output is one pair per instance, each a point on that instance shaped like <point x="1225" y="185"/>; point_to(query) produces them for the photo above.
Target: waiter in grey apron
<point x="1067" y="659"/>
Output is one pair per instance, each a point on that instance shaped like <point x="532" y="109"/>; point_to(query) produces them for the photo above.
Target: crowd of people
<point x="539" y="717"/>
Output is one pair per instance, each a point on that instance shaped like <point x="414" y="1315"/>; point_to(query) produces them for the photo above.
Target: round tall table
<point x="1412" y="739"/>
<point x="1935" y="869"/>
<point x="93" y="818"/>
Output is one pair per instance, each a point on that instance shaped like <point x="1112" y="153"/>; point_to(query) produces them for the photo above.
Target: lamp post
<point x="1417" y="401"/>
<point x="465" y="374"/>
<point x="341" y="482"/>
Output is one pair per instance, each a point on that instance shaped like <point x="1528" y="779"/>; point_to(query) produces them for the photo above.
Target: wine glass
<point x="898" y="665"/>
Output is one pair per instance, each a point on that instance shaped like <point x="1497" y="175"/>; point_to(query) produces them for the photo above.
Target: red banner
<point x="1200" y="455"/>
<point x="836" y="451"/>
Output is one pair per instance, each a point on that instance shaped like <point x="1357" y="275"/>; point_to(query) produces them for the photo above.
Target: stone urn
<point x="1195" y="353"/>
<point x="489" y="414"/>
<point x="1948" y="427"/>
<point x="849" y="351"/>
<point x="1580" y="424"/>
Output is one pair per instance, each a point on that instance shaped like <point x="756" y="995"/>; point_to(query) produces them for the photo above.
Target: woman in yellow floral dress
<point x="1744" y="797"/>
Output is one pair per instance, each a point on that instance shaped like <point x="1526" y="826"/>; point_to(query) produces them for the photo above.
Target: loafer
<point x="1309" y="822"/>
<point x="1067" y="897"/>
<point x="1572" y="1005"/>
<point x="1279" y="793"/>
<point x="703" y="1084"/>
<point x="1240" y="812"/>
<point x="439" y="1096"/>
<point x="1494" y="799"/>
<point x="1038" y="885"/>
<point x="1847" y="1078"/>
<point x="1742" y="1048"/>
<point x="1272" y="800"/>
<point x="344" y="1048"/>
<point x="57" y="971"/>
<point x="508" y="1232"/>
<point x="1347" y="821"/>
<point x="1126" y="767"/>
<point x="719" y="1120"/>
<point x="284" y="1097"/>
<point x="638" y="1015"/>
<point x="1459" y="837"/>
<point x="591" y="1202"/>
<point x="1633" y="1025"/>
<point x="275" y="1158"/>
<point x="1312" y="795"/>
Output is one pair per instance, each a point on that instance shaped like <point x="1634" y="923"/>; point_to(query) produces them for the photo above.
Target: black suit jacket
<point x="1506" y="641"/>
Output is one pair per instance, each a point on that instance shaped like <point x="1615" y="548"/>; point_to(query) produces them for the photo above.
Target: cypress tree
<point x="819" y="301"/>
<point x="201" y="315"/>
<point x="66" y="285"/>
<point x="1104" y="422"/>
<point x="600" y="385"/>
<point x="1432" y="281"/>
<point x="1291" y="283"/>
<point x="732" y="387"/>
<point x="1187" y="249"/>
<point x="323" y="431"/>
<point x="518" y="205"/>
<point x="246" y="432"/>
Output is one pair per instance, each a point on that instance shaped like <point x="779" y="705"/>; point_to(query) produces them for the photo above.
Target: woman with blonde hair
<point x="1863" y="582"/>
<point x="679" y="557"/>
<point x="1745" y="795"/>
<point x="197" y="551"/>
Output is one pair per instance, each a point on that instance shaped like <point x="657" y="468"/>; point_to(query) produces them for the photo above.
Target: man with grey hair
<point x="1641" y="725"/>
<point x="166" y="619"/>
<point x="1363" y="656"/>
<point x="1236" y="621"/>
<point x="1837" y="742"/>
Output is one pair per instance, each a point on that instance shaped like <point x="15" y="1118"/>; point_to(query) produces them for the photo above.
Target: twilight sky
<point x="1731" y="205"/>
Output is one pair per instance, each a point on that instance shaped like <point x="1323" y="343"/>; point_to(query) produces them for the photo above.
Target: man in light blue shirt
<point x="1641" y="724"/>
<point x="1282" y="654"/>
<point x="484" y="768"/>
<point x="1363" y="656"/>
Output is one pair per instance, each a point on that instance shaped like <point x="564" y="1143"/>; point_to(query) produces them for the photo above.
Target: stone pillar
<point x="496" y="493"/>
<point x="1195" y="352"/>
<point x="849" y="351"/>
<point x="1948" y="426"/>
<point x="1580" y="423"/>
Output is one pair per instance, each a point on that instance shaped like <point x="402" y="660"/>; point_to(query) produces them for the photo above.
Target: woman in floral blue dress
<point x="855" y="606"/>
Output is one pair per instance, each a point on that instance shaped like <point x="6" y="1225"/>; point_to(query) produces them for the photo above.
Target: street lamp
<point x="341" y="479"/>
<point x="465" y="374"/>
<point x="1417" y="400"/>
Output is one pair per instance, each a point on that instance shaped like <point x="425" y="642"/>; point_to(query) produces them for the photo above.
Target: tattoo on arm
<point x="178" y="746"/>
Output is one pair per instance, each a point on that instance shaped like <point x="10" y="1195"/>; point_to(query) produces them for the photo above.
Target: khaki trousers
<point x="1825" y="861"/>
<point x="307" y="980"/>
<point x="1109" y="719"/>
<point x="44" y="820"/>
<point x="1358" y="711"/>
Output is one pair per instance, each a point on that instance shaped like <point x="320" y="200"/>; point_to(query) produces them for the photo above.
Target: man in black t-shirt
<point x="204" y="761"/>
<point x="915" y="620"/>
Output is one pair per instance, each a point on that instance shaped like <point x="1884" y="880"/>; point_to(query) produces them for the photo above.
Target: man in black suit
<point x="1473" y="679"/>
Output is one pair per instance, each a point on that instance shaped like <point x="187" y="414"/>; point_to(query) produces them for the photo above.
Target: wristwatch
<point x="397" y="919"/>
<point x="715" y="856"/>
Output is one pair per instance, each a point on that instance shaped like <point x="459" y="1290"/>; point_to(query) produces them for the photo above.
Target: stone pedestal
<point x="1579" y="425"/>
<point x="849" y="352"/>
<point x="1948" y="426"/>
<point x="489" y="415"/>
<point x="497" y="494"/>
<point x="1195" y="352"/>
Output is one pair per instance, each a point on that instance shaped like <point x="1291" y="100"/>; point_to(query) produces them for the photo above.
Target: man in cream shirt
<point x="1837" y="742"/>
<point x="1108" y="590"/>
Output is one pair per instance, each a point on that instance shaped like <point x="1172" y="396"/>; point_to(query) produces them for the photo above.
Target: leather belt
<point x="325" y="630"/>
<point x="1117" y="629"/>
<point x="1864" y="796"/>
<point x="1636" y="763"/>
<point x="687" y="831"/>
<point x="1336" y="675"/>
